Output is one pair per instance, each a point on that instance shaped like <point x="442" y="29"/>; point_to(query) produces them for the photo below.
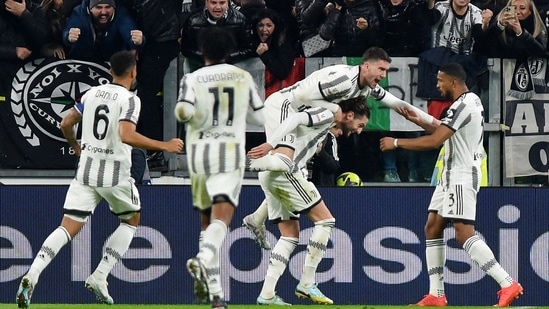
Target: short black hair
<point x="216" y="43"/>
<point x="455" y="70"/>
<point x="376" y="53"/>
<point x="356" y="105"/>
<point x="122" y="62"/>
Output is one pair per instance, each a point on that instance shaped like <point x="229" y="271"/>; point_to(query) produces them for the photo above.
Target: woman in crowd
<point x="519" y="34"/>
<point x="271" y="46"/>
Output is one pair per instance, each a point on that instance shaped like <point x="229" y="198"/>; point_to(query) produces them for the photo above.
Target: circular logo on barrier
<point x="44" y="91"/>
<point x="522" y="78"/>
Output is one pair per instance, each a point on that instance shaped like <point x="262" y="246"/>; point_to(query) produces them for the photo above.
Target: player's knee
<point x="326" y="224"/>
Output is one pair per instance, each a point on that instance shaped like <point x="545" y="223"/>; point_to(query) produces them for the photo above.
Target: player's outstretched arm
<point x="130" y="136"/>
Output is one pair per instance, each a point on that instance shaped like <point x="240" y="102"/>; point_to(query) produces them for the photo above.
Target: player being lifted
<point x="108" y="124"/>
<point x="216" y="101"/>
<point x="323" y="88"/>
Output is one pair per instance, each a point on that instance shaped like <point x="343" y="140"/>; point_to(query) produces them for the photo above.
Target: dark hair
<point x="356" y="105"/>
<point x="122" y="62"/>
<point x="278" y="35"/>
<point x="375" y="53"/>
<point x="216" y="43"/>
<point x="455" y="70"/>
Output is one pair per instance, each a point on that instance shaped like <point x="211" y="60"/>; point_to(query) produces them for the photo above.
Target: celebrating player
<point x="109" y="118"/>
<point x="455" y="196"/>
<point x="217" y="101"/>
<point x="289" y="194"/>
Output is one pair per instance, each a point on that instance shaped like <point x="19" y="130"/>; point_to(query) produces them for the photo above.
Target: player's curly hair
<point x="356" y="105"/>
<point x="216" y="43"/>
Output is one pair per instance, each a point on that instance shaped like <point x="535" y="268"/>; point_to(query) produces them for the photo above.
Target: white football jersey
<point x="105" y="160"/>
<point x="326" y="87"/>
<point x="464" y="149"/>
<point x="454" y="32"/>
<point x="225" y="97"/>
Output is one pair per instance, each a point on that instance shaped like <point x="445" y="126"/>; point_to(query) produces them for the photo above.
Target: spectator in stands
<point x="286" y="10"/>
<point x="55" y="15"/>
<point x="23" y="30"/>
<point x="250" y="7"/>
<point x="520" y="35"/>
<point x="455" y="27"/>
<point x="405" y="32"/>
<point x="160" y="22"/>
<point x="324" y="165"/>
<point x="94" y="32"/>
<point x="310" y="16"/>
<point x="354" y="26"/>
<point x="271" y="46"/>
<point x="217" y="13"/>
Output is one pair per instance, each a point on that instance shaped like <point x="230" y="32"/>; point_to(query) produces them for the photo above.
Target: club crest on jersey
<point x="44" y="90"/>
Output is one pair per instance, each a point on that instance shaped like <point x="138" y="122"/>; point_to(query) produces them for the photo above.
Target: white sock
<point x="277" y="264"/>
<point x="481" y="254"/>
<point x="200" y="238"/>
<point x="272" y="162"/>
<point x="259" y="216"/>
<point x="315" y="250"/>
<point x="116" y="247"/>
<point x="51" y="246"/>
<point x="214" y="235"/>
<point x="435" y="253"/>
<point x="212" y="241"/>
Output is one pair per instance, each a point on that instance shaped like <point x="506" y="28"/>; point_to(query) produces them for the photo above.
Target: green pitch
<point x="231" y="306"/>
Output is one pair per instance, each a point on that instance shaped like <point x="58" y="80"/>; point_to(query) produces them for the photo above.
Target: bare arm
<point x="67" y="127"/>
<point x="431" y="141"/>
<point x="130" y="136"/>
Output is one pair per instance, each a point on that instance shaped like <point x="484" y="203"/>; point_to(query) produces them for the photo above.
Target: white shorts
<point x="277" y="109"/>
<point x="455" y="202"/>
<point x="206" y="187"/>
<point x="81" y="200"/>
<point x="288" y="195"/>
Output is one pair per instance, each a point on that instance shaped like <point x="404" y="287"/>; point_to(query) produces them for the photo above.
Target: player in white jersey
<point x="323" y="88"/>
<point x="109" y="117"/>
<point x="289" y="194"/>
<point x="217" y="101"/>
<point x="455" y="197"/>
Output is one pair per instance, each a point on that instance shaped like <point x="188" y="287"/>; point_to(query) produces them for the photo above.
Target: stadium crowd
<point x="277" y="32"/>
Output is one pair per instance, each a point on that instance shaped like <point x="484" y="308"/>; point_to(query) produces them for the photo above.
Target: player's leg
<point x="79" y="203"/>
<point x="255" y="223"/>
<point x="477" y="249"/>
<point x="278" y="261"/>
<point x="316" y="248"/>
<point x="435" y="252"/>
<point x="288" y="225"/>
<point x="223" y="191"/>
<point x="277" y="109"/>
<point x="124" y="202"/>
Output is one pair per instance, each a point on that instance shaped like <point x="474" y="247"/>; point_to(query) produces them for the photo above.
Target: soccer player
<point x="217" y="101"/>
<point x="455" y="197"/>
<point x="323" y="88"/>
<point x="109" y="117"/>
<point x="289" y="194"/>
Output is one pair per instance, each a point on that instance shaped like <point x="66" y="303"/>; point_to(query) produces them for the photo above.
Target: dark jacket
<point x="235" y="22"/>
<point x="348" y="39"/>
<point x="406" y="34"/>
<point x="158" y="19"/>
<point x="516" y="47"/>
<point x="325" y="165"/>
<point x="88" y="47"/>
<point x="30" y="30"/>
